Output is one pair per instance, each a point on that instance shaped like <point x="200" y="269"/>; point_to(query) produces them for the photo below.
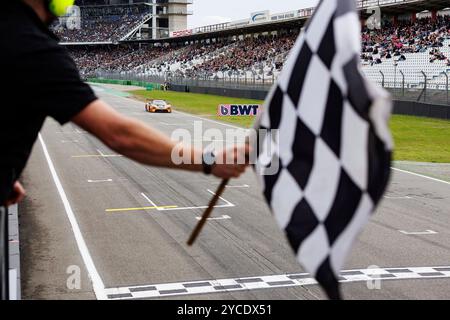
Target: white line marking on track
<point x="97" y="283"/>
<point x="150" y="201"/>
<point x="221" y="198"/>
<point x="421" y="233"/>
<point x="397" y="198"/>
<point x="196" y="208"/>
<point x="224" y="217"/>
<point x="227" y="204"/>
<point x="99" y="154"/>
<point x="270" y="282"/>
<point x="100" y="181"/>
<point x="244" y="186"/>
<point x="421" y="176"/>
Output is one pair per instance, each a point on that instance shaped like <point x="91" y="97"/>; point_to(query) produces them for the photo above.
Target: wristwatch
<point x="208" y="161"/>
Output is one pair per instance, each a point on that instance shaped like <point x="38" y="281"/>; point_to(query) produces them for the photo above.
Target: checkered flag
<point x="331" y="143"/>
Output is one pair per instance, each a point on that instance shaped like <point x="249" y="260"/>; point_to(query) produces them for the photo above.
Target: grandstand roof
<point x="257" y="28"/>
<point x="226" y="30"/>
<point x="415" y="6"/>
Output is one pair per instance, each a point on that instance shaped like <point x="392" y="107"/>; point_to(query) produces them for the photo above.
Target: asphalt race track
<point x="125" y="227"/>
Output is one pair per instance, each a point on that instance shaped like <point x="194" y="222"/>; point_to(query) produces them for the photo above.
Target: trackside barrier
<point x="14" y="254"/>
<point x="10" y="288"/>
<point x="144" y="84"/>
<point x="4" y="254"/>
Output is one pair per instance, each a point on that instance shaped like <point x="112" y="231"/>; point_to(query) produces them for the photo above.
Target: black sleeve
<point x="50" y="74"/>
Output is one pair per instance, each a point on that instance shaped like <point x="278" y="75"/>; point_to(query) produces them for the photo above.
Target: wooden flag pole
<point x="213" y="202"/>
<point x="207" y="212"/>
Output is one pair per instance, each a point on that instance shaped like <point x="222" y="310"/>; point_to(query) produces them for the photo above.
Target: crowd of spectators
<point x="193" y="60"/>
<point x="263" y="56"/>
<point x="260" y="56"/>
<point x="248" y="55"/>
<point x="117" y="59"/>
<point x="103" y="23"/>
<point x="394" y="41"/>
<point x="184" y="57"/>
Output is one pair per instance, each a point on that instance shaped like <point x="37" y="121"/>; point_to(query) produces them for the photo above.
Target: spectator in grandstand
<point x="246" y="55"/>
<point x="120" y="59"/>
<point x="103" y="23"/>
<point x="258" y="57"/>
<point x="31" y="58"/>
<point x="264" y="54"/>
<point x="406" y="37"/>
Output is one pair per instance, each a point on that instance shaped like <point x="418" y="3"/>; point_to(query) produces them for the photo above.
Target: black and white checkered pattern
<point x="333" y="145"/>
<point x="270" y="282"/>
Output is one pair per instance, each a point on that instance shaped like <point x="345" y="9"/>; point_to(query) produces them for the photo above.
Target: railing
<point x="445" y="74"/>
<point x="227" y="80"/>
<point x="432" y="89"/>
<point x="136" y="28"/>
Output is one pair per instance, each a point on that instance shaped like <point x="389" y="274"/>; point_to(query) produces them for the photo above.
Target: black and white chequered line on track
<point x="268" y="282"/>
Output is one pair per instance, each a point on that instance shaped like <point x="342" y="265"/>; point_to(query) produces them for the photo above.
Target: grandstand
<point x="114" y="21"/>
<point x="408" y="48"/>
<point x="409" y="53"/>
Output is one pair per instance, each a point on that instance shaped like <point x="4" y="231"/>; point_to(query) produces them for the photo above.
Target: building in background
<point x="113" y="21"/>
<point x="168" y="16"/>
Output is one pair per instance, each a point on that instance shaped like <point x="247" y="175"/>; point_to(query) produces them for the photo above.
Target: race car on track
<point x="154" y="106"/>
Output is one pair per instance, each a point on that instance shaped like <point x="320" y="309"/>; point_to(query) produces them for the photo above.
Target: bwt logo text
<point x="238" y="110"/>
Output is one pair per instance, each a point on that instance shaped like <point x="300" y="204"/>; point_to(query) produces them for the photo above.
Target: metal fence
<point x="227" y="80"/>
<point x="429" y="88"/>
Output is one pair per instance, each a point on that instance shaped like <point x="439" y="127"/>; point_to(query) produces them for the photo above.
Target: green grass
<point x="416" y="139"/>
<point x="421" y="139"/>
<point x="200" y="104"/>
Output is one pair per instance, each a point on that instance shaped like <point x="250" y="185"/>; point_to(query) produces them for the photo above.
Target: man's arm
<point x="140" y="142"/>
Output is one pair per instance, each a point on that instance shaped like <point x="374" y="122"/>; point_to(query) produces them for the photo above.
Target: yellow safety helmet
<point x="59" y="7"/>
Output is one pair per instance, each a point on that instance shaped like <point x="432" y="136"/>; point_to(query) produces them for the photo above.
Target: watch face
<point x="209" y="158"/>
